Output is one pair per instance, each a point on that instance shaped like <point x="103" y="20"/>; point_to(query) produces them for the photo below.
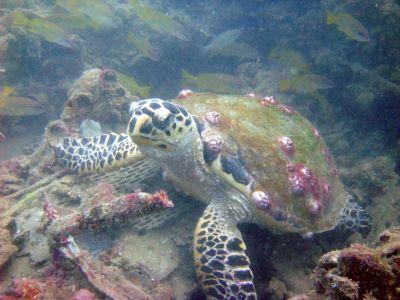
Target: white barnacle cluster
<point x="261" y="199"/>
<point x="212" y="139"/>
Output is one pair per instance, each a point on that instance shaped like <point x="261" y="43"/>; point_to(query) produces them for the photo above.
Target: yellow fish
<point x="290" y="58"/>
<point x="241" y="51"/>
<point x="213" y="82"/>
<point x="40" y="27"/>
<point x="349" y="25"/>
<point x="159" y="21"/>
<point x="305" y="84"/>
<point x="222" y="40"/>
<point x="11" y="105"/>
<point x="70" y="21"/>
<point x="98" y="13"/>
<point x="144" y="46"/>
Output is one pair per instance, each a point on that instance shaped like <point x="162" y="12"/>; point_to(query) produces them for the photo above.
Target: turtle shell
<point x="284" y="154"/>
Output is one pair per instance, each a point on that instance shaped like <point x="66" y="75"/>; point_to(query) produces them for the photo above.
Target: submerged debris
<point x="104" y="215"/>
<point x="106" y="279"/>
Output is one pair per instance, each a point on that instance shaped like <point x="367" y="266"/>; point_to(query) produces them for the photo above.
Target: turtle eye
<point x="162" y="123"/>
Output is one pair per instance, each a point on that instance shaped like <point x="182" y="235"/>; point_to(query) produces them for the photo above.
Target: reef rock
<point x="7" y="248"/>
<point x="370" y="177"/>
<point x="358" y="272"/>
<point x="98" y="95"/>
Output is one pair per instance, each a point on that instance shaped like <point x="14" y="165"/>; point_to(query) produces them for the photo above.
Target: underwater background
<point x="72" y="67"/>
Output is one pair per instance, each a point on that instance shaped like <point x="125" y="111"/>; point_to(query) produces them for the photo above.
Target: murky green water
<point x="73" y="69"/>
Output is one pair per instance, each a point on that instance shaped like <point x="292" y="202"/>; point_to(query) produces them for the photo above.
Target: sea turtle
<point x="249" y="159"/>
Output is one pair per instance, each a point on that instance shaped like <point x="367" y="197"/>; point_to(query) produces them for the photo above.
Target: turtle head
<point x="161" y="126"/>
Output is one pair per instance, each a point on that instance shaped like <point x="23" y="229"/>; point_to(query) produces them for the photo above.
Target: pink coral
<point x="287" y="109"/>
<point x="84" y="294"/>
<point x="269" y="100"/>
<point x="305" y="184"/>
<point x="185" y="94"/>
<point x="251" y="95"/>
<point x="287" y="145"/>
<point x="213" y="117"/>
<point x="49" y="209"/>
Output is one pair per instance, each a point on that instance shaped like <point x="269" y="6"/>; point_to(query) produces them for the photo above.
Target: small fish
<point x="213" y="82"/>
<point x="11" y="105"/>
<point x="132" y="86"/>
<point x="2" y="137"/>
<point x="241" y="51"/>
<point x="349" y="25"/>
<point x="365" y="98"/>
<point x="45" y="29"/>
<point x="222" y="40"/>
<point x="305" y="84"/>
<point x="159" y="21"/>
<point x="99" y="13"/>
<point x="290" y="58"/>
<point x="69" y="21"/>
<point x="389" y="7"/>
<point x="144" y="46"/>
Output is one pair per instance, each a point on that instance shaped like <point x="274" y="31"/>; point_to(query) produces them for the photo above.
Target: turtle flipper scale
<point x="354" y="218"/>
<point x="222" y="266"/>
<point x="92" y="154"/>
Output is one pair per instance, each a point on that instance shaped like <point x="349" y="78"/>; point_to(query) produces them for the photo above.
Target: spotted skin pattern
<point x="92" y="154"/>
<point x="159" y="123"/>
<point x="222" y="266"/>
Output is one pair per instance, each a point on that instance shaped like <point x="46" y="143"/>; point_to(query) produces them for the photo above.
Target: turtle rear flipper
<point x="92" y="154"/>
<point x="222" y="266"/>
<point x="354" y="218"/>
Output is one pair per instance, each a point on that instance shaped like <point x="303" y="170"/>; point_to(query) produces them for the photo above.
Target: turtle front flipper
<point x="354" y="218"/>
<point x="222" y="266"/>
<point x="92" y="154"/>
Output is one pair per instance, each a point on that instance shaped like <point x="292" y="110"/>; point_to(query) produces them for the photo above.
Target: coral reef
<point x="359" y="272"/>
<point x="98" y="95"/>
<point x="7" y="247"/>
<point x="40" y="199"/>
<point x="370" y="177"/>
